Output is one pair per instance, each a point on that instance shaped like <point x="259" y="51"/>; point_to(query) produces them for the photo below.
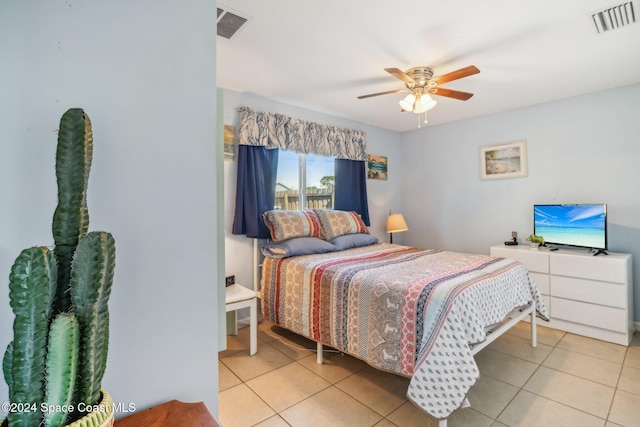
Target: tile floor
<point x="568" y="380"/>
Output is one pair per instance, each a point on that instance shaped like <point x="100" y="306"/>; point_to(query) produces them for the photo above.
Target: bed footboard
<point x="528" y="310"/>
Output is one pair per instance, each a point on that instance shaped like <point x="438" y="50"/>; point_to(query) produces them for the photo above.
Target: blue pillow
<point x="349" y="241"/>
<point x="297" y="246"/>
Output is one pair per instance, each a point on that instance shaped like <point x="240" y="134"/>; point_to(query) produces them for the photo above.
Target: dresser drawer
<point x="603" y="293"/>
<point x="613" y="319"/>
<point x="606" y="268"/>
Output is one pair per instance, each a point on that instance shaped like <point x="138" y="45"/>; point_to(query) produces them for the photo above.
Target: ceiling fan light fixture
<point x="424" y="104"/>
<point x="407" y="103"/>
<point x="420" y="82"/>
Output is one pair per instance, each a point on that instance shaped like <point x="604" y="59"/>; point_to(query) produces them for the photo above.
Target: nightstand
<point x="237" y="297"/>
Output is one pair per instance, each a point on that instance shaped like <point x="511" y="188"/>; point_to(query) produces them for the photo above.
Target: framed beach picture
<point x="507" y="160"/>
<point x="377" y="167"/>
<point x="229" y="142"/>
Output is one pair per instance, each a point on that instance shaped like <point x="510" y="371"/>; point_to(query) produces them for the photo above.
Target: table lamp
<point x="395" y="224"/>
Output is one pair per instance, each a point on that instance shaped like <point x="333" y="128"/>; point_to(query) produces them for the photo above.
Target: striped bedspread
<point x="410" y="311"/>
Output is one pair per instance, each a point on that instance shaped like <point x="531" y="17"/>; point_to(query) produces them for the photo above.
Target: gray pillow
<point x="349" y="241"/>
<point x="297" y="246"/>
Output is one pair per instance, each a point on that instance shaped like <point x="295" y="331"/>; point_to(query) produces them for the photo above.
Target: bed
<point x="420" y="313"/>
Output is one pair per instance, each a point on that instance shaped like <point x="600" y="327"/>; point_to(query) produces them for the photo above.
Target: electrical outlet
<point x="230" y="280"/>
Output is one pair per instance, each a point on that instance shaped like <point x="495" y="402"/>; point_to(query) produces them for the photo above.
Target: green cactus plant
<point x="91" y="279"/>
<point x="71" y="217"/>
<point x="61" y="368"/>
<point x="60" y="300"/>
<point x="31" y="284"/>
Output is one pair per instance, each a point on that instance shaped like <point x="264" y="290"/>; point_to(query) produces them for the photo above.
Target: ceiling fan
<point x="419" y="81"/>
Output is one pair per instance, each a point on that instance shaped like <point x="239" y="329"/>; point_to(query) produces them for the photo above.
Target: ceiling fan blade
<point x="456" y="94"/>
<point x="455" y="75"/>
<point x="399" y="74"/>
<point x="382" y="93"/>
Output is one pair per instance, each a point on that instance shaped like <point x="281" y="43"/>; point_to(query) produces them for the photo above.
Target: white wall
<point x="382" y="195"/>
<point x="145" y="73"/>
<point x="580" y="150"/>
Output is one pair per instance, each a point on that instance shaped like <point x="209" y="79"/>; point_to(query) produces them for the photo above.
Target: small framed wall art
<point x="377" y="167"/>
<point x="506" y="160"/>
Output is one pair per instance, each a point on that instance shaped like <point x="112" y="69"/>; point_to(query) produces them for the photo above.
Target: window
<point x="316" y="174"/>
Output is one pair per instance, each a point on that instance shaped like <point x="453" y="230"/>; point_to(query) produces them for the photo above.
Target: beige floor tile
<point x="295" y="346"/>
<point x="238" y="342"/>
<point x="330" y="407"/>
<point x="269" y="331"/>
<point x="630" y="380"/>
<point x="468" y="417"/>
<point x="503" y="367"/>
<point x="625" y="410"/>
<point x="517" y="346"/>
<point x="246" y="367"/>
<point x="593" y="347"/>
<point x="573" y="391"/>
<point x="530" y="410"/>
<point x="335" y="366"/>
<point x="226" y="378"/>
<point x="381" y="391"/>
<point x="241" y="407"/>
<point x="409" y="415"/>
<point x="490" y="396"/>
<point x="286" y="386"/>
<point x="241" y="341"/>
<point x="275" y="421"/>
<point x="633" y="357"/>
<point x="573" y="387"/>
<point x="264" y="332"/>
<point x="546" y="336"/>
<point x="584" y="366"/>
<point x="385" y="423"/>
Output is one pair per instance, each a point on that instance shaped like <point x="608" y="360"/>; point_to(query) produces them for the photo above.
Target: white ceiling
<point x="321" y="55"/>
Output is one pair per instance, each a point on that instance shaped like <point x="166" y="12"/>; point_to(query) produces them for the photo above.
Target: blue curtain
<point x="256" y="189"/>
<point x="351" y="187"/>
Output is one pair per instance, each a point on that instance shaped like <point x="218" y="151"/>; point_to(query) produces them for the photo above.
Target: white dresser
<point x="585" y="294"/>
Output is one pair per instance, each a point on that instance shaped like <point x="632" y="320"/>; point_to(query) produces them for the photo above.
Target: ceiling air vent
<point x="229" y="23"/>
<point x="614" y="17"/>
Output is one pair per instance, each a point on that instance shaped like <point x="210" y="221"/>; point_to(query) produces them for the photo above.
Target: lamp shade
<point x="407" y="103"/>
<point x="396" y="223"/>
<point x="425" y="103"/>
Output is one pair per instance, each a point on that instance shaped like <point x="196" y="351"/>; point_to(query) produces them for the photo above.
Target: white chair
<point x="237" y="297"/>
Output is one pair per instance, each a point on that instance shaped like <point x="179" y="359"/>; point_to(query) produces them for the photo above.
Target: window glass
<point x="316" y="174"/>
<point x="320" y="182"/>
<point x="287" y="181"/>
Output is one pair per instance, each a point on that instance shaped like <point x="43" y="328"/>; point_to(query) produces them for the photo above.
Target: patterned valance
<point x="278" y="131"/>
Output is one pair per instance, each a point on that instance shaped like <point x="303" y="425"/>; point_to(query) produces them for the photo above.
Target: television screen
<point x="573" y="225"/>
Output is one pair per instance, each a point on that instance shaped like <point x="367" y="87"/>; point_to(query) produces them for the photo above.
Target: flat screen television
<point x="580" y="225"/>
